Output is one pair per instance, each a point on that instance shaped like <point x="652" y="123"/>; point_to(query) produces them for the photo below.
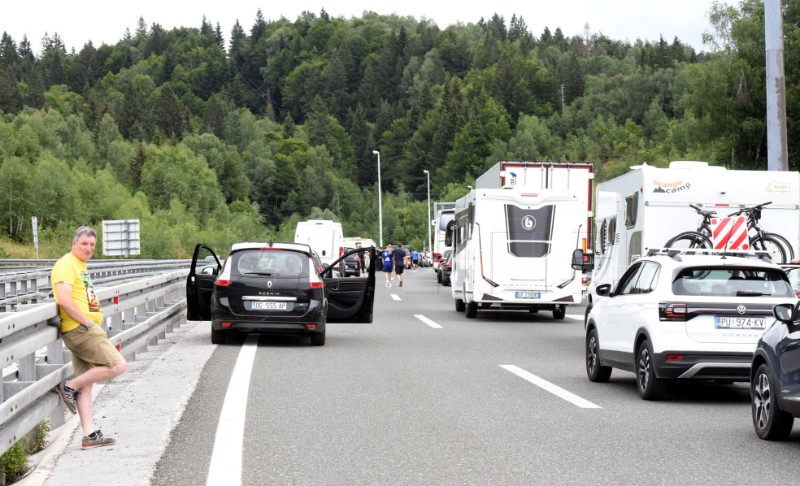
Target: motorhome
<point x="648" y="206"/>
<point x="323" y="236"/>
<point x="514" y="236"/>
<point x="444" y="215"/>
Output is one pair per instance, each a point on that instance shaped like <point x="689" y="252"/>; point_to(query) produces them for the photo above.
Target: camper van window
<point x="631" y="208"/>
<point x="603" y="236"/>
<point x="611" y="231"/>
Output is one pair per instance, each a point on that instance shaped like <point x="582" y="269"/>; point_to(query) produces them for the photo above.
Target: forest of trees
<point x="204" y="136"/>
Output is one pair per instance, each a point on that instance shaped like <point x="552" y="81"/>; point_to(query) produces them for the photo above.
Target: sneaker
<point x="401" y="283"/>
<point x="388" y="284"/>
<point x="68" y="396"/>
<point x="96" y="439"/>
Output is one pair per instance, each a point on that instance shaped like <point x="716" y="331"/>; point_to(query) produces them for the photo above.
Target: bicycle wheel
<point x="784" y="243"/>
<point x="690" y="240"/>
<point x="772" y="246"/>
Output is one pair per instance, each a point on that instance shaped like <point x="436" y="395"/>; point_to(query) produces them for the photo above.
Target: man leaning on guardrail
<point x="94" y="358"/>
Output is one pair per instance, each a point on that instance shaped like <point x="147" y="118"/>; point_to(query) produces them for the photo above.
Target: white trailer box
<point x="323" y="236"/>
<point x="646" y="207"/>
<point x="513" y="243"/>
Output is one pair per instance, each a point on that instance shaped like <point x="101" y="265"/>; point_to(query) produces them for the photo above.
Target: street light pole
<point x="380" y="204"/>
<point x="428" y="178"/>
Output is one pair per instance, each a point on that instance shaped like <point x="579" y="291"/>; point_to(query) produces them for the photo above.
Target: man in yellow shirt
<point x="94" y="358"/>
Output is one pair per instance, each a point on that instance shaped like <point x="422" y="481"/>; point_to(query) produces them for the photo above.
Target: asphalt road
<point x="425" y="396"/>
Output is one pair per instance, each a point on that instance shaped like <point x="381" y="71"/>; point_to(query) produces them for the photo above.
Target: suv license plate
<point x="527" y="295"/>
<point x="268" y="306"/>
<point x="740" y="322"/>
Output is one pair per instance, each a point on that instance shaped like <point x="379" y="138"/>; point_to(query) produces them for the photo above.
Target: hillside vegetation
<point x="214" y="137"/>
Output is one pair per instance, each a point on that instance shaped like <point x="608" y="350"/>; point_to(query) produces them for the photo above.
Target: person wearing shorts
<point x="399" y="262"/>
<point x="387" y="257"/>
<point x="94" y="358"/>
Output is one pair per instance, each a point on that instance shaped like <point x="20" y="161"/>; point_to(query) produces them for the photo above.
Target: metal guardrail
<point x="28" y="281"/>
<point x="136" y="314"/>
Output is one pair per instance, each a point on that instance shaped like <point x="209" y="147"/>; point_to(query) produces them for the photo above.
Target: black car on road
<point x="273" y="288"/>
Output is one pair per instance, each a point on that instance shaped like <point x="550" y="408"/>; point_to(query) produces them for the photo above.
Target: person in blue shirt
<point x="387" y="257"/>
<point x="414" y="259"/>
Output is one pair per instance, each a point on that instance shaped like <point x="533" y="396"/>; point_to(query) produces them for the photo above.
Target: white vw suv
<point x="683" y="316"/>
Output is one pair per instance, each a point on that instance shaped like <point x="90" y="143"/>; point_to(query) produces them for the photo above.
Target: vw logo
<point x="528" y="222"/>
<point x="741" y="309"/>
<point x="269" y="286"/>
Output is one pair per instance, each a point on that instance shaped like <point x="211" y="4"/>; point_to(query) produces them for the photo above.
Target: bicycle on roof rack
<point x="778" y="247"/>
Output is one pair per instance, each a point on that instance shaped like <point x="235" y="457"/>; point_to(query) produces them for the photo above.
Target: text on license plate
<point x="268" y="306"/>
<point x="527" y="295"/>
<point x="740" y="322"/>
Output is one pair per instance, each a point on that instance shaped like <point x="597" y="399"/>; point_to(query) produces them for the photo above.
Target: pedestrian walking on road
<point x="362" y="260"/>
<point x="94" y="358"/>
<point x="414" y="259"/>
<point x="399" y="262"/>
<point x="387" y="257"/>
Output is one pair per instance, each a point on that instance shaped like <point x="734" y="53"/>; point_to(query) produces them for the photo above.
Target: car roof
<point x="270" y="245"/>
<point x="686" y="260"/>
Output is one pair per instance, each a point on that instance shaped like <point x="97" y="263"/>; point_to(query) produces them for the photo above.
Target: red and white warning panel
<point x="730" y="233"/>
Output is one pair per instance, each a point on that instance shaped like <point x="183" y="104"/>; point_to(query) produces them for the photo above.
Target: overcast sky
<point x="106" y="21"/>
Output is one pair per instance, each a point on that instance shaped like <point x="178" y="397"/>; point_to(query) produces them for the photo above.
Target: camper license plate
<point x="740" y="322"/>
<point x="268" y="306"/>
<point x="527" y="295"/>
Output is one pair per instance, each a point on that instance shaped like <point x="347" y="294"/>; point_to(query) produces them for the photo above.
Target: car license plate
<point x="527" y="295"/>
<point x="268" y="305"/>
<point x="740" y="322"/>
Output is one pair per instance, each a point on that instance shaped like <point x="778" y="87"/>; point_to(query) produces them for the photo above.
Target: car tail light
<point x="672" y="311"/>
<point x="224" y="278"/>
<point x="314" y="282"/>
<point x="341" y="250"/>
<point x="225" y="324"/>
<point x="674" y="357"/>
<point x="311" y="326"/>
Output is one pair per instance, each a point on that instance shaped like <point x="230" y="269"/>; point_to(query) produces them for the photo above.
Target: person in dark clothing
<point x="399" y="262"/>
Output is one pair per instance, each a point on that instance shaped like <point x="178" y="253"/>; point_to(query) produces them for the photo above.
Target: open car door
<point x="200" y="283"/>
<point x="350" y="299"/>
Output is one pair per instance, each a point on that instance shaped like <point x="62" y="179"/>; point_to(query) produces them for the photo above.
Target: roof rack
<point x="677" y="252"/>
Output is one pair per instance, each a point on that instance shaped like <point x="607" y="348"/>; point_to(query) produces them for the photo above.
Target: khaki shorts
<point x="90" y="348"/>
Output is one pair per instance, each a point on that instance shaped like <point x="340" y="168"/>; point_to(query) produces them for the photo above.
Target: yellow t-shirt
<point x="72" y="271"/>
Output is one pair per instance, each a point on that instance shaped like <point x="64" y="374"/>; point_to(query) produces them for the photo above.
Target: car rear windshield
<point x="732" y="282"/>
<point x="270" y="263"/>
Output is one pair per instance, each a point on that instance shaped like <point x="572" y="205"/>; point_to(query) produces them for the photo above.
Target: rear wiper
<point x="749" y="293"/>
<point x="258" y="273"/>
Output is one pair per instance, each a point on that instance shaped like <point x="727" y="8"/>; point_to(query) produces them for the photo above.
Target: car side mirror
<point x="603" y="290"/>
<point x="582" y="261"/>
<point x="785" y="313"/>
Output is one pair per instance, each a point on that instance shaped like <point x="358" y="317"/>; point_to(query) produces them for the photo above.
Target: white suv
<point x="683" y="316"/>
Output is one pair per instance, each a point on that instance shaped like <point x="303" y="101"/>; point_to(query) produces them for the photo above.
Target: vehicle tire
<point x="460" y="305"/>
<point x="788" y="250"/>
<point x="218" y="336"/>
<point x="772" y="246"/>
<point x="471" y="310"/>
<point x="688" y="240"/>
<point x="438" y="276"/>
<point x="650" y="387"/>
<point x="559" y="311"/>
<point x="318" y="338"/>
<point x="770" y="422"/>
<point x="445" y="281"/>
<point x="596" y="372"/>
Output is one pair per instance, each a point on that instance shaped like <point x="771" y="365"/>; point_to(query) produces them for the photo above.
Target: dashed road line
<point x="547" y="386"/>
<point x="427" y="321"/>
<point x="226" y="459"/>
<point x="394" y="296"/>
<point x="577" y="317"/>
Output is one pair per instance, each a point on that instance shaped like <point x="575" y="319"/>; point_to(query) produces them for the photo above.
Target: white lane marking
<point x="226" y="459"/>
<point x="547" y="386"/>
<point x="577" y="317"/>
<point x="395" y="296"/>
<point x="427" y="321"/>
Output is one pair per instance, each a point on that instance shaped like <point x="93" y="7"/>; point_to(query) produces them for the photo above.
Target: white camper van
<point x="513" y="243"/>
<point x="323" y="236"/>
<point x="648" y="206"/>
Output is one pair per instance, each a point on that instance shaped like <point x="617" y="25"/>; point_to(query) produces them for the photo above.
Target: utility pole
<point x="777" y="147"/>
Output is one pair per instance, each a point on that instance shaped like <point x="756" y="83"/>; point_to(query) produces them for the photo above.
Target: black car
<point x="774" y="376"/>
<point x="273" y="288"/>
<point x="444" y="267"/>
<point x="351" y="263"/>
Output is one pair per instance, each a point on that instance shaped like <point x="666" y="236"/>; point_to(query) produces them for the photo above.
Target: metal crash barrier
<point x="136" y="314"/>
